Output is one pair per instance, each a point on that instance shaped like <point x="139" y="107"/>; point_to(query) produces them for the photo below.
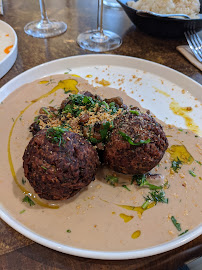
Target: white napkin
<point x="1" y="8"/>
<point x="186" y="51"/>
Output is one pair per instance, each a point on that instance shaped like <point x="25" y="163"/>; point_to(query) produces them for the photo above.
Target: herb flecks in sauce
<point x="28" y="200"/>
<point x="176" y="165"/>
<point x="176" y="224"/>
<point x="23" y="181"/>
<point x="157" y="196"/>
<point x="192" y="173"/>
<point x="183" y="232"/>
<point x="112" y="180"/>
<point x="124" y="186"/>
<point x="142" y="181"/>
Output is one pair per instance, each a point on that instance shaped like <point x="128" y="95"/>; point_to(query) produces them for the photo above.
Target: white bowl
<point x="7" y="62"/>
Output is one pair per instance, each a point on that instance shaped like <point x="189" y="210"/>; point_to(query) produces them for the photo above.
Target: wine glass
<point x="99" y="40"/>
<point x="45" y="28"/>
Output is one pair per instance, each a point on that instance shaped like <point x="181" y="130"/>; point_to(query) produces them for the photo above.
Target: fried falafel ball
<point x="137" y="143"/>
<point x="58" y="163"/>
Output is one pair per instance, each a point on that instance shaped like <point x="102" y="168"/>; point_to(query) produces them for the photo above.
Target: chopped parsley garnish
<point x="28" y="200"/>
<point x="43" y="167"/>
<point x="21" y="212"/>
<point x="176" y="224"/>
<point x="157" y="196"/>
<point x="112" y="180"/>
<point x="55" y="134"/>
<point x="124" y="186"/>
<point x="145" y="204"/>
<point x="176" y="165"/>
<point x="90" y="138"/>
<point x="36" y="119"/>
<point x="74" y="110"/>
<point x="198" y="162"/>
<point x="93" y="140"/>
<point x="128" y="139"/>
<point x="67" y="72"/>
<point x="192" y="173"/>
<point x="183" y="232"/>
<point x="113" y="108"/>
<point x="104" y="130"/>
<point x="134" y="112"/>
<point x="142" y="181"/>
<point x="45" y="110"/>
<point x="23" y="181"/>
<point x="51" y="101"/>
<point x="68" y="231"/>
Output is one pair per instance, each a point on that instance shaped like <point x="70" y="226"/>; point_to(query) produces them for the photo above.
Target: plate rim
<point x="105" y="255"/>
<point x="99" y="254"/>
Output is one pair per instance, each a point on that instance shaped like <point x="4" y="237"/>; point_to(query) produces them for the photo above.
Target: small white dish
<point x="8" y="59"/>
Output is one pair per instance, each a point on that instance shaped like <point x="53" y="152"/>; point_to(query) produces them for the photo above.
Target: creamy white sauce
<point x="93" y="216"/>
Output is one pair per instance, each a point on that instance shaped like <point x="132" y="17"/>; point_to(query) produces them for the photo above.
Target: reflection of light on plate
<point x="8" y="48"/>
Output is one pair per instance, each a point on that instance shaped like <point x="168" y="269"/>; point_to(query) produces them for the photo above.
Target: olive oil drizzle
<point x="183" y="112"/>
<point x="125" y="217"/>
<point x="136" y="234"/>
<point x="138" y="209"/>
<point x="65" y="84"/>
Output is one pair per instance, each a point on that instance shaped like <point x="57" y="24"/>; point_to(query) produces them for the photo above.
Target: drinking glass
<point x="99" y="40"/>
<point x="45" y="28"/>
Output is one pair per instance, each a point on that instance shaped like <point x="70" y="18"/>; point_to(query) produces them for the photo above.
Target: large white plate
<point x="8" y="61"/>
<point x="118" y="70"/>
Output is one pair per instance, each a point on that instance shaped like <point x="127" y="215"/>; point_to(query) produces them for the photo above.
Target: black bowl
<point x="161" y="27"/>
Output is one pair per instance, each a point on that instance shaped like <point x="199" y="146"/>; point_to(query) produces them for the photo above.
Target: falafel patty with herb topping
<point x="59" y="163"/>
<point x="86" y="114"/>
<point x="137" y="143"/>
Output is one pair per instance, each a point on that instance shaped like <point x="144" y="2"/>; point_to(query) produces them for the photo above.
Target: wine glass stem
<point x="43" y="10"/>
<point x="100" y="17"/>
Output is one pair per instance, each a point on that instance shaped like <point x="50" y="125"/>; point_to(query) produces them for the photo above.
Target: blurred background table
<point x="16" y="251"/>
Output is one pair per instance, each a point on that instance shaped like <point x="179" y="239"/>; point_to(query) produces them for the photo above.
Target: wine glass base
<point x="94" y="41"/>
<point x="45" y="29"/>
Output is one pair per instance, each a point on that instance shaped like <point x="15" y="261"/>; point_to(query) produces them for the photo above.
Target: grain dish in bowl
<point x="163" y="27"/>
<point x="188" y="7"/>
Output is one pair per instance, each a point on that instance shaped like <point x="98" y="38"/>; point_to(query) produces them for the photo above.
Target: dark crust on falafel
<point x="125" y="158"/>
<point x="58" y="172"/>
